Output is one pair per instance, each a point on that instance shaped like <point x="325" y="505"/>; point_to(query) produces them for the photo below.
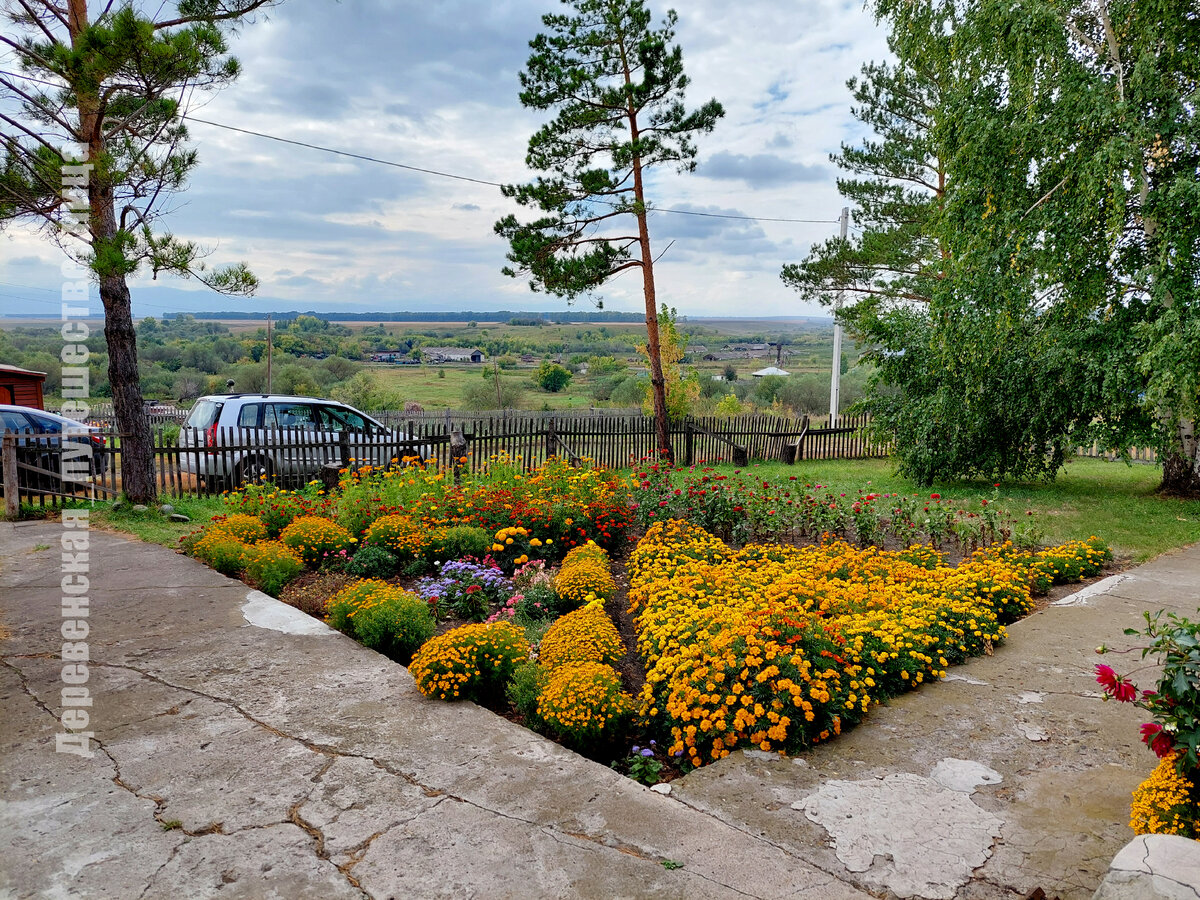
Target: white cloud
<point x="434" y="85"/>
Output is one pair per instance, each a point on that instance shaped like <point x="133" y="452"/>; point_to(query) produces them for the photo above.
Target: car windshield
<point x="204" y="413"/>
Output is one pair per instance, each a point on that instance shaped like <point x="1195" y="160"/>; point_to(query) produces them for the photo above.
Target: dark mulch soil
<point x="310" y="592"/>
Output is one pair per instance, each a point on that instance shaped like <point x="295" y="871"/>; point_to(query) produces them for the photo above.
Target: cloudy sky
<point x="433" y="84"/>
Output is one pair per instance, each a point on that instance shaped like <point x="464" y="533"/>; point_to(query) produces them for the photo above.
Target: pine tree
<point x="616" y="85"/>
<point x="97" y="151"/>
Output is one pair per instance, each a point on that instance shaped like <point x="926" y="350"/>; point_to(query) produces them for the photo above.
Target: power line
<point x="439" y="174"/>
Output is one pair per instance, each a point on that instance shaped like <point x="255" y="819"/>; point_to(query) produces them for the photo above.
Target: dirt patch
<point x="311" y="591"/>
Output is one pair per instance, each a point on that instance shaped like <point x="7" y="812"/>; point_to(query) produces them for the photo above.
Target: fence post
<point x="12" y="489"/>
<point x="551" y="439"/>
<point x="689" y="442"/>
<point x="344" y="447"/>
<point x="458" y="451"/>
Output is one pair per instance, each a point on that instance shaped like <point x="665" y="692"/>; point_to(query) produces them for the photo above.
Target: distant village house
<point x="453" y="354"/>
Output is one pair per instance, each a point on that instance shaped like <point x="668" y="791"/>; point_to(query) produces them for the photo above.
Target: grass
<point x="1112" y="500"/>
<point x="153" y="526"/>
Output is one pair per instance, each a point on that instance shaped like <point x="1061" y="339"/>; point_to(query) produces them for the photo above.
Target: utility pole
<point x="835" y="381"/>
<point x="270" y="345"/>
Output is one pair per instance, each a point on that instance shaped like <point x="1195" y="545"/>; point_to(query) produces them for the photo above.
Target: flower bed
<point x="782" y="647"/>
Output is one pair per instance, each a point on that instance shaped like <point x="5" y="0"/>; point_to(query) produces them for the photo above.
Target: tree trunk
<point x="137" y="452"/>
<point x="1181" y="463"/>
<point x="658" y="384"/>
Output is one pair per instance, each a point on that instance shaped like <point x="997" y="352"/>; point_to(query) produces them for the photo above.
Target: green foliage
<point x="551" y="377"/>
<point x="523" y="691"/>
<point x="271" y="566"/>
<point x="458" y="541"/>
<point x="370" y="561"/>
<point x="385" y="618"/>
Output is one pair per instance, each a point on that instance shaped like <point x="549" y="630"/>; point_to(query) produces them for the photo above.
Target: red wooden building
<point x="22" y="387"/>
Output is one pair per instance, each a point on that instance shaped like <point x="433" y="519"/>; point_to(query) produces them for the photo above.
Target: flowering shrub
<point x="474" y="662"/>
<point x="465" y="588"/>
<point x="559" y="505"/>
<point x="247" y="529"/>
<point x="584" y="703"/>
<point x="222" y="551"/>
<point x="275" y="507"/>
<point x="745" y="507"/>
<point x="385" y="618"/>
<point x="457" y="541"/>
<point x="586" y="635"/>
<point x="315" y="537"/>
<point x="402" y="536"/>
<point x="1167" y="802"/>
<point x="584" y="576"/>
<point x="781" y="647"/>
<point x="270" y="565"/>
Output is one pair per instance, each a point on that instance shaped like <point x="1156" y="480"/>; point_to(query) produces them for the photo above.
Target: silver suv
<point x="236" y="438"/>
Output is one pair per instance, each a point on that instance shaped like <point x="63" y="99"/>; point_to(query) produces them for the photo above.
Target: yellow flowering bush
<point x="1166" y="803"/>
<point x="402" y="535"/>
<point x="247" y="529"/>
<point x="381" y="616"/>
<point x="583" y="703"/>
<point x="584" y="576"/>
<point x="222" y="551"/>
<point x="270" y="565"/>
<point x="585" y="635"/>
<point x="781" y="647"/>
<point x="315" y="537"/>
<point x="473" y="662"/>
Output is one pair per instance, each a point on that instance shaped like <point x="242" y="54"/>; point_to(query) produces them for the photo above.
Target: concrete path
<point x="246" y="751"/>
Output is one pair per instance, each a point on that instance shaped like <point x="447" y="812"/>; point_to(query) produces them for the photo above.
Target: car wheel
<point x="253" y="470"/>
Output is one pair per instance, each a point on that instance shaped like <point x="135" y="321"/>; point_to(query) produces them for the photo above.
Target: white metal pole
<point x="835" y="381"/>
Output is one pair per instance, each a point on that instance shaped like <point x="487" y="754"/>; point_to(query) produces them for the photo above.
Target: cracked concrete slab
<point x="1154" y="867"/>
<point x="905" y="833"/>
<point x="285" y="761"/>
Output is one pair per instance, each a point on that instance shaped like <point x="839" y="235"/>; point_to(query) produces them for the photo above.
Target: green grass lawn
<point x="1111" y="500"/>
<point x="1114" y="501"/>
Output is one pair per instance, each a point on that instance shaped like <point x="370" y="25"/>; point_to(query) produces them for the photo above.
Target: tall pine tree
<point x="616" y="85"/>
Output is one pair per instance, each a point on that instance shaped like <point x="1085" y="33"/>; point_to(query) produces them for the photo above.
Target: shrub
<point x="458" y="541"/>
<point x="586" y="635"/>
<point x="385" y="618"/>
<point x="583" y="576"/>
<point x="584" y="703"/>
<point x="1166" y="802"/>
<point x="247" y="529"/>
<point x="372" y="562"/>
<point x="274" y="507"/>
<point x="403" y="536"/>
<point x="523" y="691"/>
<point x="315" y="537"/>
<point x="474" y="662"/>
<point x="222" y="551"/>
<point x="537" y="603"/>
<point x="272" y="565"/>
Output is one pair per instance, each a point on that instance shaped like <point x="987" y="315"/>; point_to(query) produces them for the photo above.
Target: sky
<point x="434" y="84"/>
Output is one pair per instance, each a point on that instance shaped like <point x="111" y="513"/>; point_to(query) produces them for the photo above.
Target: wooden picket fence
<point x="198" y="463"/>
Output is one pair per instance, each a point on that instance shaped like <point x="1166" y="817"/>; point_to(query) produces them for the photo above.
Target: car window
<point x="42" y="425"/>
<point x="248" y="415"/>
<point x="203" y="414"/>
<point x="269" y="420"/>
<point x="294" y="415"/>
<point x="14" y="421"/>
<point x="338" y="418"/>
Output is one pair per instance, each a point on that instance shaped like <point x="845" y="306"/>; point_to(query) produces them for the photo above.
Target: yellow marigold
<point x="403" y="535"/>
<point x="585" y="635"/>
<point x="1166" y="803"/>
<point x="247" y="529"/>
<point x="584" y="571"/>
<point x="472" y="662"/>
<point x="584" y="702"/>
<point x="315" y="537"/>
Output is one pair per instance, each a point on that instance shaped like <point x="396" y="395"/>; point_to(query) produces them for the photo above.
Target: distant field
<point x="422" y="385"/>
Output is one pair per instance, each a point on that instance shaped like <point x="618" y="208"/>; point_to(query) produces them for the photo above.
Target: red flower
<point x="1106" y="676"/>
<point x="1161" y="742"/>
<point x="935" y="496"/>
<point x="1125" y="692"/>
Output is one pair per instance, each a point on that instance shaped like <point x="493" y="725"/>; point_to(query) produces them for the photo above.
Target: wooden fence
<point x="203" y="463"/>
